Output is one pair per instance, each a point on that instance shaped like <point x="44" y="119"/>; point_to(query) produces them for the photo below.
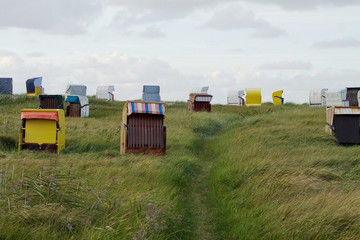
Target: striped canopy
<point x="147" y="108"/>
<point x="203" y="98"/>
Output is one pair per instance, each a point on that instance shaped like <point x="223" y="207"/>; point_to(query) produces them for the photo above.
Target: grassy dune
<point x="284" y="178"/>
<point x="235" y="173"/>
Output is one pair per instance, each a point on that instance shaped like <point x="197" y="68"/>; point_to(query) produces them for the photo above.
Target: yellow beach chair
<point x="42" y="129"/>
<point x="253" y="97"/>
<point x="277" y="97"/>
<point x="33" y="87"/>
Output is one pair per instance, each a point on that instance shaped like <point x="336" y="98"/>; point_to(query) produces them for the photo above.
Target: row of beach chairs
<point x="34" y="88"/>
<point x="252" y="97"/>
<point x="347" y="97"/>
<point x="142" y="130"/>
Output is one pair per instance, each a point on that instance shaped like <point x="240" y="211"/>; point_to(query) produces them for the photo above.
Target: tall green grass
<point x="235" y="173"/>
<point x="280" y="176"/>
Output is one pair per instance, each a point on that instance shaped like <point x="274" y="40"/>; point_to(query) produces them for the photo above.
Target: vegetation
<point x="235" y="173"/>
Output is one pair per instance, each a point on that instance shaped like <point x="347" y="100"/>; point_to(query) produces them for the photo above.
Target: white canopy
<point x="75" y="90"/>
<point x="105" y="92"/>
<point x="317" y="97"/>
<point x="234" y="97"/>
<point x="84" y="102"/>
<point x="336" y="98"/>
<point x="200" y="90"/>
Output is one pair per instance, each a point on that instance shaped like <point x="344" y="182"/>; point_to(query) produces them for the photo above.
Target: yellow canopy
<point x="277" y="97"/>
<point x="253" y="96"/>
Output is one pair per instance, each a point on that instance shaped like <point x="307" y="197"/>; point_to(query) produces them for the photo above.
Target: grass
<point x="284" y="178"/>
<point x="235" y="173"/>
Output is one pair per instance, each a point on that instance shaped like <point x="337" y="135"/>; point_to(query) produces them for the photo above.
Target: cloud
<point x="36" y="54"/>
<point x="152" y="32"/>
<point x="128" y="74"/>
<point x="234" y="17"/>
<point x="306" y="4"/>
<point x="21" y="69"/>
<point x="268" y="31"/>
<point x="9" y="62"/>
<point x="236" y="50"/>
<point x="287" y="66"/>
<point x="296" y="83"/>
<point x="338" y="43"/>
<point x="134" y="12"/>
<point x="56" y="17"/>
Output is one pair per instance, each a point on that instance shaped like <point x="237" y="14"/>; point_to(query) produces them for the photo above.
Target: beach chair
<point x="277" y="98"/>
<point x="78" y="106"/>
<point x="51" y="102"/>
<point x="199" y="102"/>
<point x="42" y="129"/>
<point x="6" y="86"/>
<point x="34" y="87"/>
<point x="344" y="123"/>
<point x="142" y="129"/>
<point x="253" y="97"/>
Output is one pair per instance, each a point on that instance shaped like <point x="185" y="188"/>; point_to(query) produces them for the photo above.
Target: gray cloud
<point x="338" y="43"/>
<point x="236" y="50"/>
<point x="129" y="73"/>
<point x="269" y="31"/>
<point x="36" y="54"/>
<point x="152" y="32"/>
<point x="20" y="70"/>
<point x="234" y="17"/>
<point x="286" y="65"/>
<point x="296" y="84"/>
<point x="9" y="61"/>
<point x="6" y="53"/>
<point x="148" y="11"/>
<point x="55" y="17"/>
<point x="306" y="4"/>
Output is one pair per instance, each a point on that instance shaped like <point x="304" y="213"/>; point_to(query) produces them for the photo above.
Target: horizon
<point x="227" y="45"/>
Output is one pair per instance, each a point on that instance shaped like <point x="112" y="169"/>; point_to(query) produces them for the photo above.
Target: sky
<point x="181" y="45"/>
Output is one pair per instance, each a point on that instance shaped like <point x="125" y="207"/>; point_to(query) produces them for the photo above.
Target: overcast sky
<point x="294" y="45"/>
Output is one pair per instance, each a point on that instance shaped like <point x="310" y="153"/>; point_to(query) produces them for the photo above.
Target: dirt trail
<point x="202" y="213"/>
<point x="200" y="192"/>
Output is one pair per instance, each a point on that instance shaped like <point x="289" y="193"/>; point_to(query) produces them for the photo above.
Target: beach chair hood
<point x="105" y="92"/>
<point x="253" y="96"/>
<point x="336" y="98"/>
<point x="75" y="90"/>
<point x="151" y="93"/>
<point x="233" y="97"/>
<point x="34" y="86"/>
<point x="277" y="97"/>
<point x="6" y="86"/>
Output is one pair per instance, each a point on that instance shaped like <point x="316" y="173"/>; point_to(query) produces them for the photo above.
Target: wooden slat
<point x="145" y="131"/>
<point x="74" y="110"/>
<point x="351" y="96"/>
<point x="202" y="106"/>
<point x="49" y="103"/>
